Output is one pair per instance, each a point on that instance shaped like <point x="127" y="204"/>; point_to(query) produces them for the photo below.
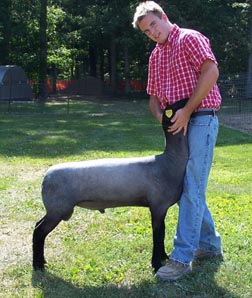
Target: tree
<point x="76" y="38"/>
<point x="249" y="72"/>
<point x="42" y="95"/>
<point x="5" y="32"/>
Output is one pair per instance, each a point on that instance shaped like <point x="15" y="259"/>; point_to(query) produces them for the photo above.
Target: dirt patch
<point x="241" y="122"/>
<point x="15" y="243"/>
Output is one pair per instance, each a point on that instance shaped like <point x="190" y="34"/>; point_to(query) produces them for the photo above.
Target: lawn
<point x="108" y="255"/>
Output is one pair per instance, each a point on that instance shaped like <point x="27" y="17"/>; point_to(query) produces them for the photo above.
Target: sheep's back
<point x="99" y="183"/>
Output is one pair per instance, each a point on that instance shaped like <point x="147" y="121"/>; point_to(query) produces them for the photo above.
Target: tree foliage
<point x="77" y="38"/>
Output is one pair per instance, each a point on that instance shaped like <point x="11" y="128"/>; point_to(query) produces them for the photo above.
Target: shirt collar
<point x="174" y="32"/>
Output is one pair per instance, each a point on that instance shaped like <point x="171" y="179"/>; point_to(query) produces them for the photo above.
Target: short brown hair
<point x="143" y="9"/>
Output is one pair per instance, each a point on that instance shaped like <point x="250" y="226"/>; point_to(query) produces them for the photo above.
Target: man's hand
<point x="208" y="76"/>
<point x="180" y="121"/>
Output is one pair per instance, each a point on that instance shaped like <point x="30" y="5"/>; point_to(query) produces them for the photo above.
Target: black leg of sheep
<point x="42" y="229"/>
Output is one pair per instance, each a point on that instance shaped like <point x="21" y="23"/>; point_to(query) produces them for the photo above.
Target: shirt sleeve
<point x="198" y="49"/>
<point x="151" y="90"/>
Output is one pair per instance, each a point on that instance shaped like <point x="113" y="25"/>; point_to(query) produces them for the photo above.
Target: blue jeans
<point x="195" y="229"/>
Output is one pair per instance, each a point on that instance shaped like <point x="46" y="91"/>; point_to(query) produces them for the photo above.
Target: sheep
<point x="153" y="181"/>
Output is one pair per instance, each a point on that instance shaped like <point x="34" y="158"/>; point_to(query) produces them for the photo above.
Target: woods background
<point x="75" y="39"/>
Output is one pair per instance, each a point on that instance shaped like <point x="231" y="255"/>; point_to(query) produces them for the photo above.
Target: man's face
<point x="155" y="28"/>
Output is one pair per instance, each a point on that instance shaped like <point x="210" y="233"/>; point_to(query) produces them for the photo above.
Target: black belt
<point x="204" y="113"/>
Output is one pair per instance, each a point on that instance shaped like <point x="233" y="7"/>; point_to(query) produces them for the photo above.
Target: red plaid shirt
<point x="174" y="68"/>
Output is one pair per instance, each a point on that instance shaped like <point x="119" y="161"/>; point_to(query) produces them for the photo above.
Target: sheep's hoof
<point x="155" y="270"/>
<point x="39" y="266"/>
<point x="156" y="267"/>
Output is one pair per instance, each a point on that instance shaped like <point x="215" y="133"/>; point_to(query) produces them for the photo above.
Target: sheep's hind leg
<point x="43" y="227"/>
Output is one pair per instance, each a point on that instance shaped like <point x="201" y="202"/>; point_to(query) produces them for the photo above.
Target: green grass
<point x="108" y="255"/>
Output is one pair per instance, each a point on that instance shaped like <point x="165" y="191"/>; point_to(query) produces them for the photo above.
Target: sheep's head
<point x="169" y="112"/>
<point x="167" y="116"/>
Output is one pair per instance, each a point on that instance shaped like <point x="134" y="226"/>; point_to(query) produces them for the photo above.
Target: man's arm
<point x="155" y="108"/>
<point x="207" y="79"/>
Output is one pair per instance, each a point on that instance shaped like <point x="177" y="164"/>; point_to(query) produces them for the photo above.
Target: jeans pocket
<point x="201" y="121"/>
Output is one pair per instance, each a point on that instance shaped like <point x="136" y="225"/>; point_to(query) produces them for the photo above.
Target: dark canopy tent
<point x="14" y="84"/>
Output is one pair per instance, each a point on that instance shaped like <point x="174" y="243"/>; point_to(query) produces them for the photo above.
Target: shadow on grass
<point x="52" y="137"/>
<point x="108" y="127"/>
<point x="229" y="137"/>
<point x="200" y="283"/>
<point x="55" y="137"/>
<point x="205" y="279"/>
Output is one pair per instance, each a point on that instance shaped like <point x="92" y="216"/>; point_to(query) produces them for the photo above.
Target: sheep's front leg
<point x="42" y="229"/>
<point x="158" y="232"/>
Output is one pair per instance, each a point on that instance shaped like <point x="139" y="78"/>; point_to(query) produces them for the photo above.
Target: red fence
<point x="60" y="85"/>
<point x="70" y="85"/>
<point x="135" y="85"/>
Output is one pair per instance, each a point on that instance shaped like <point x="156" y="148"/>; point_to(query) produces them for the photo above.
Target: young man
<point x="182" y="66"/>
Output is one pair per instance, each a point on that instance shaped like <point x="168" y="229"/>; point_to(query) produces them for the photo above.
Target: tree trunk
<point x="6" y="31"/>
<point x="113" y="64"/>
<point x="101" y="56"/>
<point x="42" y="96"/>
<point x="249" y="72"/>
<point x="92" y="61"/>
<point x="126" y="70"/>
<point x="54" y="79"/>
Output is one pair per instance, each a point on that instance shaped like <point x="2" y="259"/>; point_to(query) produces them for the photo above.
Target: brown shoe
<point x="204" y="254"/>
<point x="173" y="270"/>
